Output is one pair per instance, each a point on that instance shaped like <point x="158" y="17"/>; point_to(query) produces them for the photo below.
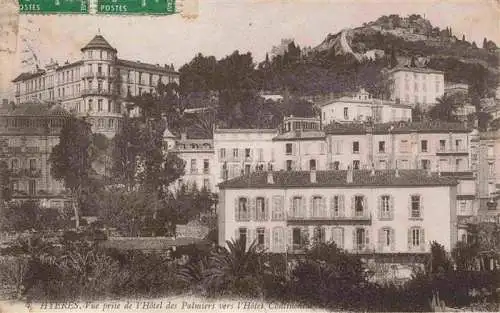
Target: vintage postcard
<point x="249" y="156"/>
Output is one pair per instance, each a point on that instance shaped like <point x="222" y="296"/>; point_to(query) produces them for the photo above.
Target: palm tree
<point x="445" y="108"/>
<point x="235" y="269"/>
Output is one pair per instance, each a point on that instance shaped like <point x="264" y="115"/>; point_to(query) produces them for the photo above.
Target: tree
<point x="5" y="189"/>
<point x="463" y="38"/>
<point x="444" y="109"/>
<point x="485" y="43"/>
<point x="71" y="159"/>
<point x="439" y="260"/>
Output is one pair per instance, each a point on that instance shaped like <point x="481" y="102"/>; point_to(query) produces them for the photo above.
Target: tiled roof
<point x="35" y="109"/>
<point x="397" y="127"/>
<point x="79" y="62"/>
<point x="28" y="75"/>
<point x="145" y="66"/>
<point x="98" y="42"/>
<point x="361" y="178"/>
<point x="300" y="135"/>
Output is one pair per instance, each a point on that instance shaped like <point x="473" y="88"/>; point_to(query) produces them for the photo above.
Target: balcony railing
<point x="96" y="91"/>
<point x="100" y="75"/>
<point x="452" y="151"/>
<point x="88" y="74"/>
<point x="26" y="172"/>
<point x="329" y="219"/>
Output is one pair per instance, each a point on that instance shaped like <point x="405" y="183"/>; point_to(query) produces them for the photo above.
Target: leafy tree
<point x="465" y="255"/>
<point x="71" y="159"/>
<point x="439" y="260"/>
<point x="189" y="202"/>
<point x="5" y="188"/>
<point x="28" y="215"/>
<point x="444" y="109"/>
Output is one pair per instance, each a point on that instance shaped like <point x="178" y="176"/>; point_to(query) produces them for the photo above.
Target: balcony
<point x="17" y="93"/>
<point x="26" y="172"/>
<point x="362" y="219"/>
<point x="100" y="75"/>
<point x="457" y="151"/>
<point x="96" y="91"/>
<point x="88" y="75"/>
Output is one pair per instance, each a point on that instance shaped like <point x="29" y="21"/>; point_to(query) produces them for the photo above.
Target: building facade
<point x="96" y="86"/>
<point x="364" y="211"/>
<point x="362" y="107"/>
<point x="416" y="86"/>
<point x="29" y="133"/>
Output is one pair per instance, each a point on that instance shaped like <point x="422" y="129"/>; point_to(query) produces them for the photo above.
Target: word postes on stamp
<point x="150" y="7"/>
<point x="53" y="6"/>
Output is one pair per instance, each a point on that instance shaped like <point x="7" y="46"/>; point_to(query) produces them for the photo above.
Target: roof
<point x="145" y="66"/>
<point x="98" y="42"/>
<point x="301" y="135"/>
<point x="37" y="110"/>
<point x="28" y="75"/>
<point x="149" y="243"/>
<point x="79" y="62"/>
<point x="397" y="128"/>
<point x="415" y="70"/>
<point x="361" y="178"/>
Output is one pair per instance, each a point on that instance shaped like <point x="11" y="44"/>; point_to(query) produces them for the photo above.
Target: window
<point x="14" y="164"/>
<point x="346" y="113"/>
<point x="288" y="148"/>
<point x="99" y="68"/>
<point x="462" y="206"/>
<point x="32" y="164"/>
<point x="416" y="238"/>
<point x="423" y="146"/>
<point x="338" y="236"/>
<point x="381" y="146"/>
<point x="297" y="238"/>
<point x="385" y="207"/>
<point x="355" y="164"/>
<point x="206" y="166"/>
<point x="90" y="54"/>
<point x="312" y="165"/>
<point x="261" y="235"/>
<point x="247" y="153"/>
<point x="297" y="207"/>
<point x="382" y="164"/>
<point x="359" y="206"/>
<point x="243" y="235"/>
<point x="261" y="211"/>
<point x="404" y="164"/>
<point x="458" y="164"/>
<point x="355" y="147"/>
<point x="415" y="207"/>
<point x="317" y="207"/>
<point x="242" y="213"/>
<point x="360" y="239"/>
<point x="337" y="205"/>
<point x="288" y="165"/>
<point x="458" y="145"/>
<point x="235" y="153"/>
<point x="278" y="239"/>
<point x="491" y="169"/>
<point x="222" y="153"/>
<point x="99" y="105"/>
<point x="442" y="145"/>
<point x="90" y="105"/>
<point x="193" y="166"/>
<point x="111" y="123"/>
<point x="319" y="234"/>
<point x="247" y="169"/>
<point x="425" y="164"/>
<point x="32" y="187"/>
<point x="386" y="239"/>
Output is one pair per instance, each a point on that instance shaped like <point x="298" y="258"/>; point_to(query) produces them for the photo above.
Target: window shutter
<point x="379" y="207"/>
<point x="409" y="240"/>
<point x="421" y="206"/>
<point x="391" y="207"/>
<point x="281" y="207"/>
<point x="342" y="238"/>
<point x="341" y="206"/>
<point x="241" y="154"/>
<point x="381" y="238"/>
<point x="309" y="212"/>
<point x="367" y="236"/>
<point x="267" y="239"/>
<point x="293" y="149"/>
<point x="252" y="209"/>
<point x="289" y="238"/>
<point x="305" y="232"/>
<point x="354" y="243"/>
<point x="290" y="208"/>
<point x="332" y="207"/>
<point x="422" y="240"/>
<point x="266" y="209"/>
<point x="323" y="207"/>
<point x="393" y="239"/>
<point x="250" y="237"/>
<point x="303" y="207"/>
<point x="236" y="210"/>
<point x="409" y="206"/>
<point x="353" y="211"/>
<point x="365" y="206"/>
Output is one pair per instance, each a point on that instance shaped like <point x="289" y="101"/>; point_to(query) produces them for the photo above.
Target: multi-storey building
<point x="364" y="211"/>
<point x="488" y="168"/>
<point x="29" y="133"/>
<point x="360" y="106"/>
<point x="199" y="158"/>
<point x="241" y="151"/>
<point x="414" y="85"/>
<point x="97" y="86"/>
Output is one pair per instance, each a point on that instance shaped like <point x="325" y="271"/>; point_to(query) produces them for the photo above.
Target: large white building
<point x="414" y="85"/>
<point x="96" y="86"/>
<point x="360" y="106"/>
<point x="364" y="211"/>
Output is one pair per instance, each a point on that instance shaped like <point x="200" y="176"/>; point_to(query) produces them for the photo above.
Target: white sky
<point x="224" y="26"/>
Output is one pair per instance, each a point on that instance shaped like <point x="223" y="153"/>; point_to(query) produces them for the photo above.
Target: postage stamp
<point x="123" y="7"/>
<point x="53" y="6"/>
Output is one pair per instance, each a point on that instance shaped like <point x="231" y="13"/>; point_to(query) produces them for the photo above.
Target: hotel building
<point x="363" y="211"/>
<point x="96" y="86"/>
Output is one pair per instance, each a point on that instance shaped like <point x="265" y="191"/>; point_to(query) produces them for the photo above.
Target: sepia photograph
<point x="250" y="155"/>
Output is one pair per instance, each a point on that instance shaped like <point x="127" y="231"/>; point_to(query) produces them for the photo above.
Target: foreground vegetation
<point x="75" y="267"/>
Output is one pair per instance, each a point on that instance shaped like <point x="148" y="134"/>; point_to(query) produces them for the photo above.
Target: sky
<point x="245" y="25"/>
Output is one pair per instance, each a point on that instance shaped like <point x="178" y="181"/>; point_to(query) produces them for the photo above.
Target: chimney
<point x="312" y="176"/>
<point x="349" y="178"/>
<point x="372" y="173"/>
